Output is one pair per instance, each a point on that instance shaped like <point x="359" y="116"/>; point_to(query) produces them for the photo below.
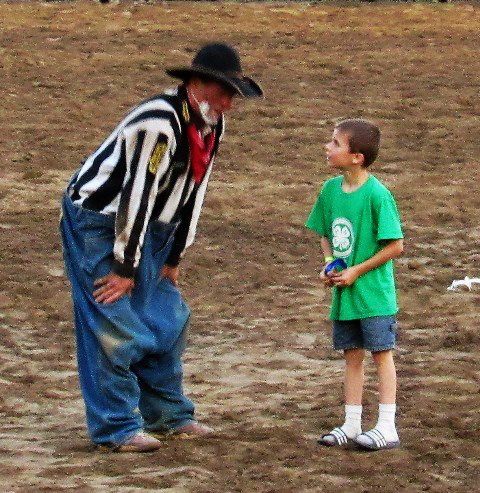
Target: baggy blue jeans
<point x="129" y="352"/>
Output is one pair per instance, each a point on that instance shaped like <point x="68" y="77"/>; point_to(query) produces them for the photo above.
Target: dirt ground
<point x="259" y="363"/>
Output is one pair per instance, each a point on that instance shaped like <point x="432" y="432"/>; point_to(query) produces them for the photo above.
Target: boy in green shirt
<point x="357" y="220"/>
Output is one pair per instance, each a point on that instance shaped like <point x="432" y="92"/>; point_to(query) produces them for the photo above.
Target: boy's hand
<point x="326" y="278"/>
<point x="345" y="278"/>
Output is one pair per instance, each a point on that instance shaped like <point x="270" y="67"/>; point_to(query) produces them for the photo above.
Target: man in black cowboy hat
<point x="129" y="213"/>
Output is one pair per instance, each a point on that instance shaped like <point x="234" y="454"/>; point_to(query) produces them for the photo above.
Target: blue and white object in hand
<point x="335" y="265"/>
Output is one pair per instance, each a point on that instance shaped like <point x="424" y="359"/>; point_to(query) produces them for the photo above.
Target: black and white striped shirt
<point x="141" y="173"/>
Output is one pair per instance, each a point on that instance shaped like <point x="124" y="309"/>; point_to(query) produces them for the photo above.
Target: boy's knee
<point x="354" y="357"/>
<point x="381" y="357"/>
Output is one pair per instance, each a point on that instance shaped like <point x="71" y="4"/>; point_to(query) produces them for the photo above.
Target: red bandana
<point x="200" y="151"/>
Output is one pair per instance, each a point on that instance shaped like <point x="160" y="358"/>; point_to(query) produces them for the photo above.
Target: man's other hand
<point x="170" y="273"/>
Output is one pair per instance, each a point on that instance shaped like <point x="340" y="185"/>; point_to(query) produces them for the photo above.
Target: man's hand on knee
<point x="112" y="287"/>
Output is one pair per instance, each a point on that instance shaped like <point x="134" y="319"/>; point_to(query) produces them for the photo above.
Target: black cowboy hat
<point x="219" y="62"/>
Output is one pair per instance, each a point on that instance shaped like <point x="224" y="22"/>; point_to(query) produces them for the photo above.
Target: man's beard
<point x="204" y="110"/>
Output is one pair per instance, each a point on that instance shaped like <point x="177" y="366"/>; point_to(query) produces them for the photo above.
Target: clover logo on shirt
<point x="342" y="237"/>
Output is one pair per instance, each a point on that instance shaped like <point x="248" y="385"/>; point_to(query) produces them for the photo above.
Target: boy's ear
<point x="358" y="158"/>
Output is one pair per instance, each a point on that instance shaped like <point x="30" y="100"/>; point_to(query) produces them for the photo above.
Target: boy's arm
<point x="328" y="256"/>
<point x="326" y="248"/>
<point x="348" y="276"/>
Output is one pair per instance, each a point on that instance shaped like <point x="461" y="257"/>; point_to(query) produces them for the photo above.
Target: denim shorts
<point x="373" y="333"/>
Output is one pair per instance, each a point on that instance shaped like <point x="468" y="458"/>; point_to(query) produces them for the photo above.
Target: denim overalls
<point x="129" y="352"/>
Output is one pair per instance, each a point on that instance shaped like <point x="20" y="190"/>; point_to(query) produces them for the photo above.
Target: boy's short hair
<point x="363" y="138"/>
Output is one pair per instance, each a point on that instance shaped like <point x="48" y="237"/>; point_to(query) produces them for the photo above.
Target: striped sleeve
<point x="185" y="235"/>
<point x="181" y="234"/>
<point x="149" y="141"/>
<point x="197" y="207"/>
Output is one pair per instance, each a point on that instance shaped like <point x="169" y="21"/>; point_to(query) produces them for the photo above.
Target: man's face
<point x="338" y="151"/>
<point x="218" y="97"/>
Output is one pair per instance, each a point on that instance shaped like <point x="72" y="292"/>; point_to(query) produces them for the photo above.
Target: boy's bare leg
<point x="387" y="376"/>
<point x="354" y="376"/>
<point x="387" y="392"/>
<point x="352" y="427"/>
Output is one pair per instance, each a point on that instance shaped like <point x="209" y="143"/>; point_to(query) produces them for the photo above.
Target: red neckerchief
<point x="200" y="151"/>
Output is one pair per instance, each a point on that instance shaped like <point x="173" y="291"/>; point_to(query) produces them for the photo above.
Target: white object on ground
<point x="464" y="282"/>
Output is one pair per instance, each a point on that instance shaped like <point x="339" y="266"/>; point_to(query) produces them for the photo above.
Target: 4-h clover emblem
<point x="342" y="237"/>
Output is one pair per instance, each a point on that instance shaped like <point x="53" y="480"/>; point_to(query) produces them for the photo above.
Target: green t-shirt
<point x="357" y="225"/>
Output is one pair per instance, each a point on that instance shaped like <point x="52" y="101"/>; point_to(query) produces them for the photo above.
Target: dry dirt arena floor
<point x="259" y="363"/>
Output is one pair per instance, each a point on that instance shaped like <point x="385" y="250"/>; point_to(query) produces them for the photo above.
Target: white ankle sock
<point x="353" y="420"/>
<point x="386" y="422"/>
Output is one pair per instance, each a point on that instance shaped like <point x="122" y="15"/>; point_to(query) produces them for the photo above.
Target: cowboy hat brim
<point x="243" y="86"/>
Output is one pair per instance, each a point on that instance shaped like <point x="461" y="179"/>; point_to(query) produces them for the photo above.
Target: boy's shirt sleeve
<point x="389" y="224"/>
<point x="317" y="219"/>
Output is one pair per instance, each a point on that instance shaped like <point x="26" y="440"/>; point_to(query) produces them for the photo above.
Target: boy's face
<point x="338" y="151"/>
